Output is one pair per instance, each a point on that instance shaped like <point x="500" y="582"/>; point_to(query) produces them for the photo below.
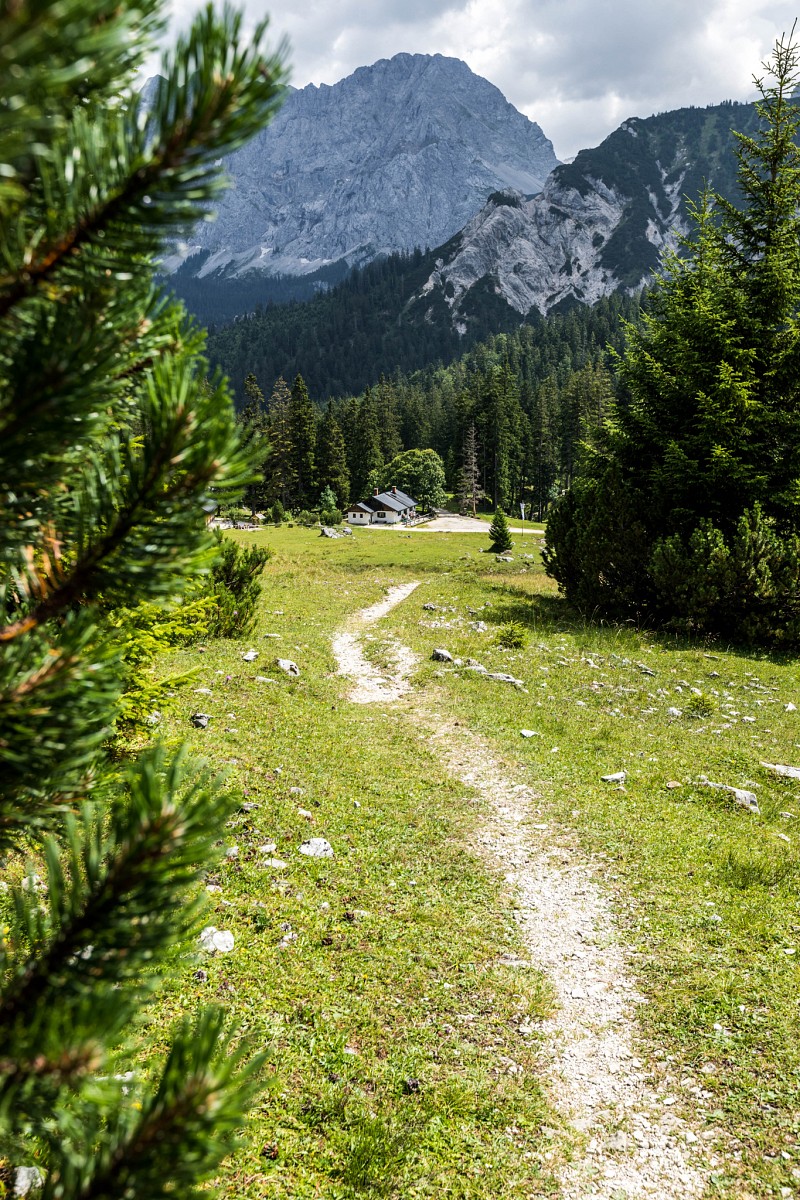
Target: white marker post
<point x="522" y="510"/>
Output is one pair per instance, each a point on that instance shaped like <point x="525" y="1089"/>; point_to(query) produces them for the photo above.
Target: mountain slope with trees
<point x="601" y="226"/>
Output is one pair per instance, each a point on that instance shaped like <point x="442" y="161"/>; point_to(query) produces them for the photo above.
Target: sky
<point x="577" y="67"/>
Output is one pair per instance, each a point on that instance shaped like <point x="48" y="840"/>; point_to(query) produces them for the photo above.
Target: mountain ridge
<point x="399" y="154"/>
<point x="627" y="199"/>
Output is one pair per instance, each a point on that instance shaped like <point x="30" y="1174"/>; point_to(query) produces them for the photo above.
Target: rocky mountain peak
<point x="399" y="154"/>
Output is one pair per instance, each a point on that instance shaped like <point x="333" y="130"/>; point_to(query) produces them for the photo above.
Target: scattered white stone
<point x="503" y="677"/>
<point x="617" y="777"/>
<point x="790" y="707"/>
<point x="275" y="864"/>
<point x="317" y="847"/>
<point x="216" y="940"/>
<point x="304" y="812"/>
<point x="264" y="679"/>
<point x="297" y="791"/>
<point x="232" y="852"/>
<point x="528" y="733"/>
<point x="202" y="691"/>
<point x="153" y="718"/>
<point x="250" y="656"/>
<point x="440" y="655"/>
<point x="674" y="712"/>
<point x="268" y="847"/>
<point x="286" y="664"/>
<point x="200" y="720"/>
<point x="27" y="1178"/>
<point x="744" y="798"/>
<point x="781" y="769"/>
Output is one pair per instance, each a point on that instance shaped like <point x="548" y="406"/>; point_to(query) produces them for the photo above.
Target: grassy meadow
<point x="380" y="982"/>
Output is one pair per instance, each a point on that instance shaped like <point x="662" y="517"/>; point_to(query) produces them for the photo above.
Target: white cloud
<point x="578" y="67"/>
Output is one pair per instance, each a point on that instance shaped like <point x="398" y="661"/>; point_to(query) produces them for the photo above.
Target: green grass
<point x="389" y="1018"/>
<point x="706" y="892"/>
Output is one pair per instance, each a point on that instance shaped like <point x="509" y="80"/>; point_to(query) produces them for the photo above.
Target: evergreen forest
<point x="531" y="396"/>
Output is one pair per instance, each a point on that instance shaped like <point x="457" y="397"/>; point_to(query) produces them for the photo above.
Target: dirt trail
<point x="637" y="1147"/>
<point x="372" y="686"/>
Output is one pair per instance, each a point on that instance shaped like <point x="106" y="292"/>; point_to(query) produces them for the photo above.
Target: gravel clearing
<point x="636" y="1146"/>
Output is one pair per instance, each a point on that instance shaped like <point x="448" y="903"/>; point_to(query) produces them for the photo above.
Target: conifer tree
<point x="332" y="458"/>
<point x="279" y="471"/>
<point x="690" y="511"/>
<point x="388" y="420"/>
<point x="499" y="535"/>
<point x="469" y="484"/>
<point x="365" y="447"/>
<point x="303" y="433"/>
<point x="112" y="450"/>
<point x="253" y="426"/>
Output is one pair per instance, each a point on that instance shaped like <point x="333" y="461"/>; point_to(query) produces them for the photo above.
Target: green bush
<point x="146" y="631"/>
<point x="307" y="518"/>
<point x="332" y="516"/>
<point x="745" y="586"/>
<point x="235" y="587"/>
<point x="277" y="512"/>
<point x="512" y="636"/>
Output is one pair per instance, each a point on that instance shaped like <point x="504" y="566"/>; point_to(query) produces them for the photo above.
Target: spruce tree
<point x="332" y="458"/>
<point x="469" y="492"/>
<point x="365" y="447"/>
<point x="279" y="470"/>
<point x="303" y="433"/>
<point x="112" y="451"/>
<point x="253" y="426"/>
<point x="689" y="511"/>
<point x="499" y="535"/>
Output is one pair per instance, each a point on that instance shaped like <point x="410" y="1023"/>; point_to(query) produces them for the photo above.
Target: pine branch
<point x="164" y="166"/>
<point x="115" y="903"/>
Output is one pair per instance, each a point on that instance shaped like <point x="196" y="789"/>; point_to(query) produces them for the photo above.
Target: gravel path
<point x="637" y="1147"/>
<point x="457" y="524"/>
<point x="371" y="685"/>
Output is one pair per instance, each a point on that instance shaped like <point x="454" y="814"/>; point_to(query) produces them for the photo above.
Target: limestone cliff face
<point x="601" y="223"/>
<point x="400" y="154"/>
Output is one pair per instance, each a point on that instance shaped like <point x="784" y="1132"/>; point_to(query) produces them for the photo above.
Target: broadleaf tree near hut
<point x="688" y="511"/>
<point x="112" y="450"/>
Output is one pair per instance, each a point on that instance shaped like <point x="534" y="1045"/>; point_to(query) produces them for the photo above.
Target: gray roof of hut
<point x="386" y="500"/>
<point x="404" y="497"/>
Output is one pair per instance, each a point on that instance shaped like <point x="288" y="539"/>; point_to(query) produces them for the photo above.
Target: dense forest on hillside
<point x="216" y="298"/>
<point x="529" y="397"/>
<point x="342" y="340"/>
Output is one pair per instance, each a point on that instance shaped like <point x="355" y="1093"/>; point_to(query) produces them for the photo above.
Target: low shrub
<point x="235" y="587"/>
<point x="512" y="636"/>
<point x="306" y="517"/>
<point x="331" y="516"/>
